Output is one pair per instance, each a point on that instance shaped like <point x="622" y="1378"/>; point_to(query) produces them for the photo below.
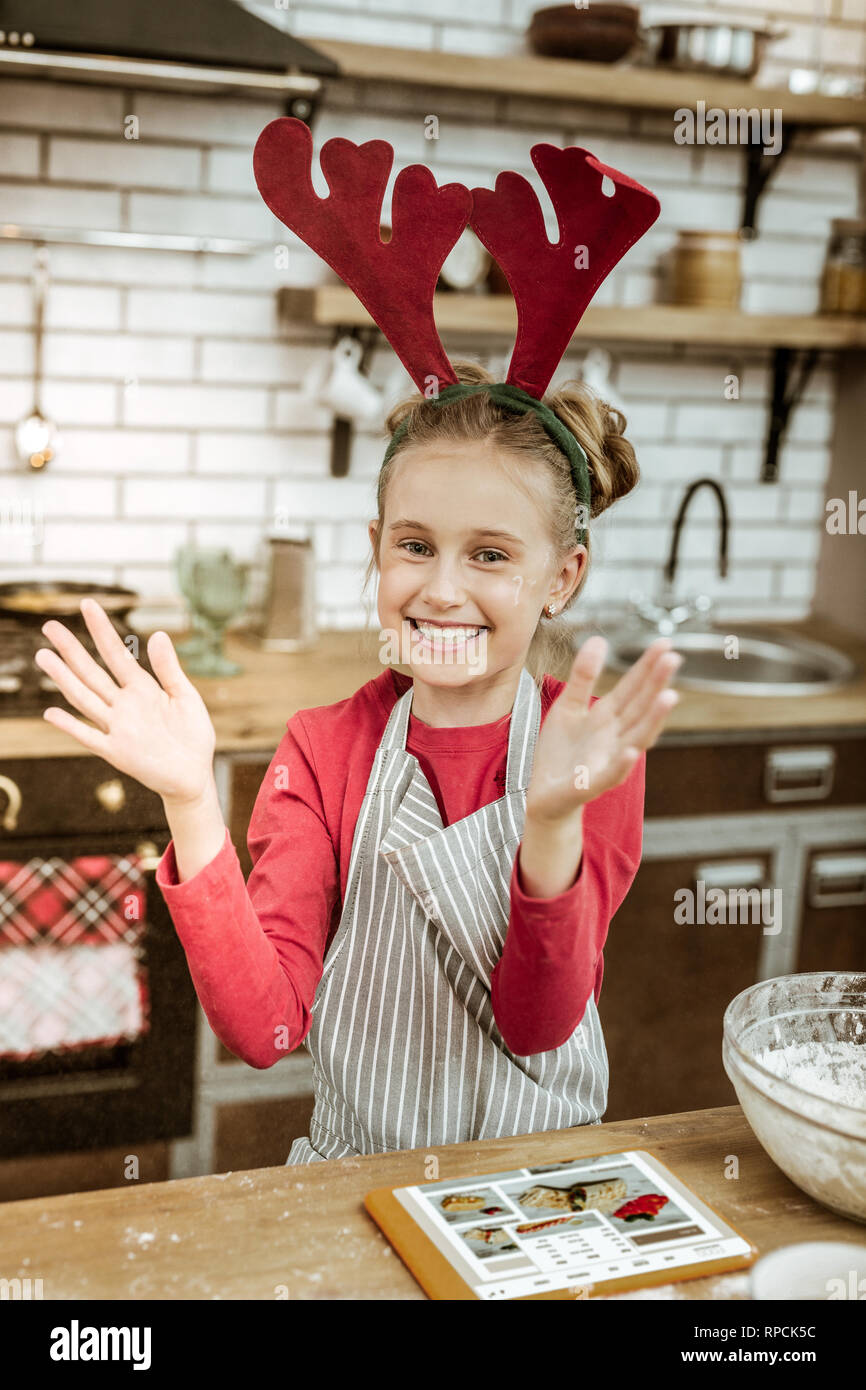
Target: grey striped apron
<point x="405" y="1048"/>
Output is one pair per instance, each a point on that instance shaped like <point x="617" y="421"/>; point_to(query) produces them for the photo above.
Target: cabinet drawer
<point x="72" y="796"/>
<point x="259" y="1134"/>
<point x="833" y="927"/>
<point x="245" y="780"/>
<point x="784" y="773"/>
<point x="668" y="978"/>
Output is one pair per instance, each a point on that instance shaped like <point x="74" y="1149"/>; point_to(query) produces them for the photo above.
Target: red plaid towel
<point x="71" y="973"/>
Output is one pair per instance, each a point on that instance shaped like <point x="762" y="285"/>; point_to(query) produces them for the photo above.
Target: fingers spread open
<point x="76" y="692"/>
<point x="114" y="652"/>
<point x="88" y="737"/>
<point x="628" y="758"/>
<point x="658" y="676"/>
<point x="585" y="671"/>
<point x="79" y="660"/>
<point x="165" y="664"/>
<point x="647" y="729"/>
<point x="627" y="686"/>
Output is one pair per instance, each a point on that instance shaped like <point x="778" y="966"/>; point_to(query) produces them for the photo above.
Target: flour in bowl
<point x="835" y="1071"/>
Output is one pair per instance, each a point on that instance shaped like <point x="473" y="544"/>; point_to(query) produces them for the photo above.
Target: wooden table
<point x="302" y="1232"/>
<point x="249" y="711"/>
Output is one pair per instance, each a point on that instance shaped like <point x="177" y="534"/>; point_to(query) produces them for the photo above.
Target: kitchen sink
<point x="760" y="662"/>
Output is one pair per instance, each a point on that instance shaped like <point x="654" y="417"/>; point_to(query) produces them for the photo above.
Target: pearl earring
<point x="551" y="609"/>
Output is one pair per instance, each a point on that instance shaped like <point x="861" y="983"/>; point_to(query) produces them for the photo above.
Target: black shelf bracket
<point x="783" y="402"/>
<point x="760" y="168"/>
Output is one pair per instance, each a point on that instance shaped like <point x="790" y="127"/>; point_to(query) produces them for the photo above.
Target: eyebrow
<point x="479" y="531"/>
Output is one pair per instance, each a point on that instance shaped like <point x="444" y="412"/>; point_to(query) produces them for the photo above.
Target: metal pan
<point x="36" y="601"/>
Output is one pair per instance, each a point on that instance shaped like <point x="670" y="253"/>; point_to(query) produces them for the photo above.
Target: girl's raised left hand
<point x="584" y="749"/>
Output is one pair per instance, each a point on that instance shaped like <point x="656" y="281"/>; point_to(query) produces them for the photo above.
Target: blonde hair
<point x="599" y="428"/>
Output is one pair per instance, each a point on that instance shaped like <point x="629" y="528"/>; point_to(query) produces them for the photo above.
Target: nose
<point x="444" y="587"/>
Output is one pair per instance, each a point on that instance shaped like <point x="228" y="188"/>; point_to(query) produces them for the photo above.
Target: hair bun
<point x="600" y="428"/>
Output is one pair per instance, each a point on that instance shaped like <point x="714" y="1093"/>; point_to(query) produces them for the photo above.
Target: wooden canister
<point x="843" y="284"/>
<point x="705" y="269"/>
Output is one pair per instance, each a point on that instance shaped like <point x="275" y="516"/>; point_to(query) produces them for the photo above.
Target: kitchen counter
<point x="304" y="1229"/>
<point x="250" y="711"/>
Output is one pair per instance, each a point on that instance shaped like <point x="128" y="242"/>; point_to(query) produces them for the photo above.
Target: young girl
<point x="437" y="857"/>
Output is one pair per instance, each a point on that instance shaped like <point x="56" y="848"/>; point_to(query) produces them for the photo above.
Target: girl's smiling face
<point x="465" y="549"/>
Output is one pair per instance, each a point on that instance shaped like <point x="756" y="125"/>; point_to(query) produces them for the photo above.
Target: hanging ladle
<point x="36" y="436"/>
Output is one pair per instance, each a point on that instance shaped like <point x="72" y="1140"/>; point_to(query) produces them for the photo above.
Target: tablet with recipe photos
<point x="576" y="1229"/>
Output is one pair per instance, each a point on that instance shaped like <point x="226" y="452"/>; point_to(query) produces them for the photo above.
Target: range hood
<point x="182" y="44"/>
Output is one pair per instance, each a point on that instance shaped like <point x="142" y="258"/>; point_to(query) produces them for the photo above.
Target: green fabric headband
<point x="513" y="398"/>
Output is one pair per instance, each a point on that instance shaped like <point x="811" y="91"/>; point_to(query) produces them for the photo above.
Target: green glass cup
<point x="195" y="644"/>
<point x="216" y="589"/>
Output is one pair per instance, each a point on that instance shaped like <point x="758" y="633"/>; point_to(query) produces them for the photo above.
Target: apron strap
<point x="394" y="737"/>
<point x="522" y="734"/>
<point x="525" y="722"/>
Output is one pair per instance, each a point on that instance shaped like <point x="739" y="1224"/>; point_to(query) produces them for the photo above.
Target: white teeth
<point x="447" y="634"/>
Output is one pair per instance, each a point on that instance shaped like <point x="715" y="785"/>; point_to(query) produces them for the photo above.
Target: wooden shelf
<point x="602" y="84"/>
<point x="337" y="306"/>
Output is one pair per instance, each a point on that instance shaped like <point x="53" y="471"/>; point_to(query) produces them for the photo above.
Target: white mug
<point x="346" y="390"/>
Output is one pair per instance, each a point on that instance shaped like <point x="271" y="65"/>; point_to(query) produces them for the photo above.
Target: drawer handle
<point x="799" y="774"/>
<point x="13" y="805"/>
<point x="111" y="795"/>
<point x="838" y="880"/>
<point x="731" y="873"/>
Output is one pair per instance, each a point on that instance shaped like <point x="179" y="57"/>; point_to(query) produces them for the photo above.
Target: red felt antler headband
<point x="552" y="284"/>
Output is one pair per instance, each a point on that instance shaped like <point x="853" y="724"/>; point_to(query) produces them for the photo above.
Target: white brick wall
<point x="60" y="106"/>
<point x="194" y="499"/>
<point x="204" y="215"/>
<point x="201" y="311"/>
<point x="19" y="156"/>
<point x="59" y="207"/>
<point x="73" y="306"/>
<point x="202" y="120"/>
<point x="198" y="407"/>
<point x="179" y="394"/>
<point x="90" y="452"/>
<point x="128" y="163"/>
<point x="108" y="354"/>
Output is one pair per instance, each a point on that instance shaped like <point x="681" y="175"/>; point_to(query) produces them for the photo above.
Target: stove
<point x="25" y="690"/>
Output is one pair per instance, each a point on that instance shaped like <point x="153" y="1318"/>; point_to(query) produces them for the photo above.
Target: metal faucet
<point x="667" y="614"/>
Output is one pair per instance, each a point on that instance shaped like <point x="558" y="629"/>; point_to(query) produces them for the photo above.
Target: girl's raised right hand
<point x="157" y="731"/>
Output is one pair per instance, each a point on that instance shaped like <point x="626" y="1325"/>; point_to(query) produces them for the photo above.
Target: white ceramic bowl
<point x="812" y="1269"/>
<point x="818" y="1142"/>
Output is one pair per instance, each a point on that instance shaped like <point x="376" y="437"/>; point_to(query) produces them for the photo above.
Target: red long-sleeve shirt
<point x="255" y="951"/>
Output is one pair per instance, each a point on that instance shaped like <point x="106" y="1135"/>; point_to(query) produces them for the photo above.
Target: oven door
<point x="101" y="1094"/>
